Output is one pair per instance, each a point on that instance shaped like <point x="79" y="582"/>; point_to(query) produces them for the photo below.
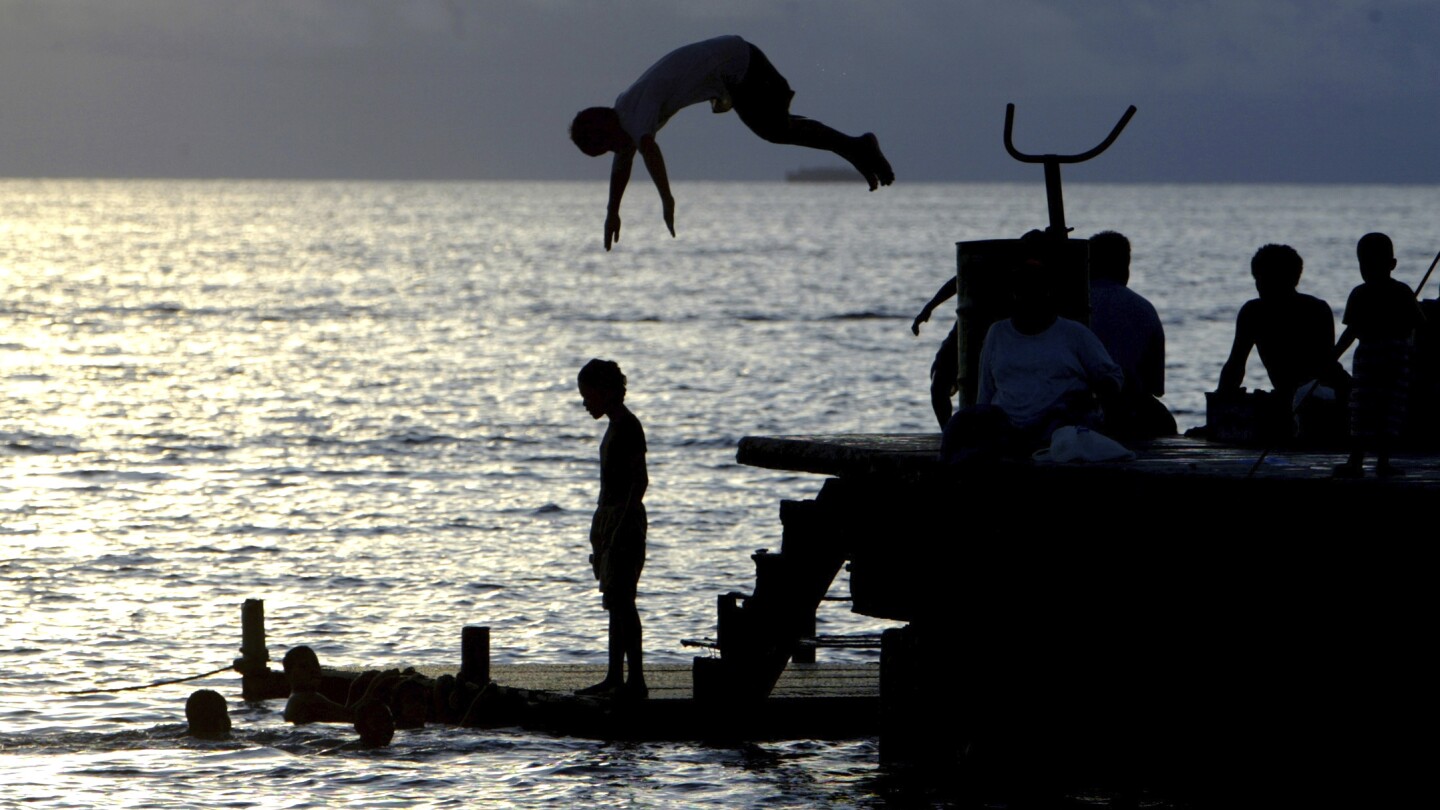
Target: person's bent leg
<point x="762" y="100"/>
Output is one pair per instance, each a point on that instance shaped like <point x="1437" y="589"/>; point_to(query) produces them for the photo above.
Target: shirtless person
<point x="1294" y="332"/>
<point x="729" y="73"/>
<point x="617" y="532"/>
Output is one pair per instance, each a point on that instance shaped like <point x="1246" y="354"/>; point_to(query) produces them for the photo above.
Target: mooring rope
<point x="151" y="685"/>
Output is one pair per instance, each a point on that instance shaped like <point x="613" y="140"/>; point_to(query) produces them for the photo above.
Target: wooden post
<point x="475" y="655"/>
<point x="257" y="681"/>
<point x="253" y="653"/>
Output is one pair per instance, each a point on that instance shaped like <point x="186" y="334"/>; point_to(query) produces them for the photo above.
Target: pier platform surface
<point x="917" y="454"/>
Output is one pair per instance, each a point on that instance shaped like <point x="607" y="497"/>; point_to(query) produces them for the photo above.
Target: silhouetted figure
<point x="206" y="714"/>
<point x="1425" y="392"/>
<point x="1381" y="316"/>
<point x="1295" y="335"/>
<point x="306" y="704"/>
<point x="945" y="368"/>
<point x="729" y="73"/>
<point x="407" y="694"/>
<point x="1038" y="372"/>
<point x="374" y="723"/>
<point x="617" y="531"/>
<point x="1131" y="332"/>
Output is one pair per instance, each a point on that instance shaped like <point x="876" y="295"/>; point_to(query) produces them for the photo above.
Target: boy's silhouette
<point x="617" y="531"/>
<point x="1382" y="315"/>
<point x="945" y="368"/>
<point x="729" y="73"/>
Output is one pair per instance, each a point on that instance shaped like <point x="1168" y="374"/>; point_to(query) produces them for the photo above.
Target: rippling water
<point x="356" y="401"/>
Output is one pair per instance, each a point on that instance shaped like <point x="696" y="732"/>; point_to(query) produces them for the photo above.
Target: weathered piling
<point x="475" y="654"/>
<point x="258" y="681"/>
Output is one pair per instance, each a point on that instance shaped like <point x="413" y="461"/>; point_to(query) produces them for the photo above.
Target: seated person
<point x="1294" y="332"/>
<point x="306" y="704"/>
<point x="945" y="369"/>
<point x="1038" y="372"/>
<point x="1131" y="332"/>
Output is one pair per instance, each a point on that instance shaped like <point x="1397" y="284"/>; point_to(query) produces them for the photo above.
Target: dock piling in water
<point x="258" y="681"/>
<point x="475" y="654"/>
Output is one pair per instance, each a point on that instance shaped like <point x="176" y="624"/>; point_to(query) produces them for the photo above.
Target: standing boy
<point x="1381" y="314"/>
<point x="617" y="531"/>
<point x="729" y="73"/>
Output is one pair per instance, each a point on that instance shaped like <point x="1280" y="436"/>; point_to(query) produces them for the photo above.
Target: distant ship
<point x="823" y="174"/>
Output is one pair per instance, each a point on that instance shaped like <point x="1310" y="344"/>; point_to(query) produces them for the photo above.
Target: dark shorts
<point x="618" y="551"/>
<point x="762" y="97"/>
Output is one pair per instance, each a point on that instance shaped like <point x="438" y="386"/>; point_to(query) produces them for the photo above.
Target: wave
<point x="38" y="444"/>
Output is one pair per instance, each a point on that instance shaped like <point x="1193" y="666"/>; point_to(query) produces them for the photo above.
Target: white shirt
<point x="1026" y="375"/>
<point x="687" y="75"/>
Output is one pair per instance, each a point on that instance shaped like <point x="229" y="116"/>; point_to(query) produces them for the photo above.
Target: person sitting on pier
<point x="945" y="368"/>
<point x="1294" y="332"/>
<point x="1131" y="332"/>
<point x="1038" y="372"/>
<point x="729" y="73"/>
<point x="617" y="530"/>
<point x="1382" y="315"/>
<point x="306" y="704"/>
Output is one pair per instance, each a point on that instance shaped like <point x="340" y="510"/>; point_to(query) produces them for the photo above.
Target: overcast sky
<point x="1228" y="90"/>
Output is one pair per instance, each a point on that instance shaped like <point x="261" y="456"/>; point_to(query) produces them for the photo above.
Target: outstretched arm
<point x="1346" y="338"/>
<point x="946" y="291"/>
<point x="1232" y="374"/>
<point x="655" y="164"/>
<point x="619" y="178"/>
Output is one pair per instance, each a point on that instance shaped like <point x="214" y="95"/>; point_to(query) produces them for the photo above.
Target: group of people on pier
<point x="1039" y="371"/>
<point x="1394" y="360"/>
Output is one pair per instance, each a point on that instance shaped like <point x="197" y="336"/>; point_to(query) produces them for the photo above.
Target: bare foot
<point x="633" y="690"/>
<point x="605" y="687"/>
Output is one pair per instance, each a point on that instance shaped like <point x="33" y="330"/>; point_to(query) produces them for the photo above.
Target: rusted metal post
<point x="475" y="654"/>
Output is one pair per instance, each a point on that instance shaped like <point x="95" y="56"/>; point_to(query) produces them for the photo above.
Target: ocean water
<point x="356" y="401"/>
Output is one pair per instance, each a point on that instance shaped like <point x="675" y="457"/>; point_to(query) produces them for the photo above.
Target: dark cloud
<point x="1229" y="90"/>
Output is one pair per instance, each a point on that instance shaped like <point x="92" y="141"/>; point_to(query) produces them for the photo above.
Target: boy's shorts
<point x="762" y="97"/>
<point x="617" y="541"/>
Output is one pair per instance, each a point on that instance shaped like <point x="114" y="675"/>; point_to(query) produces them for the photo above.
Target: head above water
<point x="597" y="130"/>
<point x="1276" y="269"/>
<point x="374" y="723"/>
<point x="1110" y="257"/>
<point x="302" y="668"/>
<point x="1377" y="256"/>
<point x="207" y="714"/>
